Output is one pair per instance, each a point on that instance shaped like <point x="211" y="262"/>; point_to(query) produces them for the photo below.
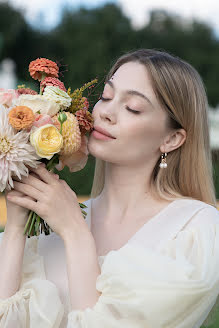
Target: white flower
<point x="39" y="103"/>
<point x="59" y="96"/>
<point x="15" y="152"/>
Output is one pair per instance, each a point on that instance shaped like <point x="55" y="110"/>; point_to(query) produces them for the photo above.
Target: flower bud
<point x="62" y="117"/>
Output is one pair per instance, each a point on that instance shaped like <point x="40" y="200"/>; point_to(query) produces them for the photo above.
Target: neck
<point x="125" y="189"/>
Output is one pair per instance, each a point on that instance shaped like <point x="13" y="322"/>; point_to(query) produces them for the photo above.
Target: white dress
<point x="165" y="276"/>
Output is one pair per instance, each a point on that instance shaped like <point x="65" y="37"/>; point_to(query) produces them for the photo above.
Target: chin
<point x="95" y="151"/>
<point x="98" y="149"/>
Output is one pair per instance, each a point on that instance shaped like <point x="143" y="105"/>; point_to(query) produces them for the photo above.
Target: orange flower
<point x="21" y="117"/>
<point x="43" y="66"/>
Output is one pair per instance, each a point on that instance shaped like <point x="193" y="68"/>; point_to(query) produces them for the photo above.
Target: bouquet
<point x="49" y="127"/>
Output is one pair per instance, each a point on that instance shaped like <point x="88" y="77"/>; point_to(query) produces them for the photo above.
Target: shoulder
<point x="202" y="213"/>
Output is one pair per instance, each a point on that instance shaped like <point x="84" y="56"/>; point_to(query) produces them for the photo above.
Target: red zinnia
<point x="85" y="120"/>
<point x="42" y="66"/>
<point x="26" y="91"/>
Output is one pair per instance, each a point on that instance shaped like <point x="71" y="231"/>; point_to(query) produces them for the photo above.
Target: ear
<point x="173" y="140"/>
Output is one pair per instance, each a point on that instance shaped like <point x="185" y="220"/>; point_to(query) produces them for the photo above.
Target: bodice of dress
<point x="51" y="247"/>
<point x="169" y="266"/>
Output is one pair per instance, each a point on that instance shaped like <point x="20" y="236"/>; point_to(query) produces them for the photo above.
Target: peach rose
<point x="7" y="97"/>
<point x="42" y="119"/>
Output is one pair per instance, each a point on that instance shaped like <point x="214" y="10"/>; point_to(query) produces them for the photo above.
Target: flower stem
<point x="42" y="78"/>
<point x="28" y="221"/>
<point x="53" y="161"/>
<point x="37" y="225"/>
<point x="32" y="223"/>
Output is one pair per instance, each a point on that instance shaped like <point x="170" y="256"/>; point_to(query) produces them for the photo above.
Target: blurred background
<point x="86" y="37"/>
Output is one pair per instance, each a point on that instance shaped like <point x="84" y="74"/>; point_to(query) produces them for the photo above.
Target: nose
<point x="107" y="112"/>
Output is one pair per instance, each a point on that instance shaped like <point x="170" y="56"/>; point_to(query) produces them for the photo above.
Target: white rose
<point x="39" y="103"/>
<point x="59" y="96"/>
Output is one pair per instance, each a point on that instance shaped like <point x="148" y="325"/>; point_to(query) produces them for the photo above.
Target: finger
<point x="24" y="202"/>
<point x="16" y="178"/>
<point x="13" y="193"/>
<point x="45" y="175"/>
<point x="34" y="181"/>
<point x="18" y="193"/>
<point x="28" y="190"/>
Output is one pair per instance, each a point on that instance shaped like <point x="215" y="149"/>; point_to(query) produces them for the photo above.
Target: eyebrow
<point x="132" y="92"/>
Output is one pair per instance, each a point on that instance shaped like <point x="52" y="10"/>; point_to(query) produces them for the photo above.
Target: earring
<point x="163" y="163"/>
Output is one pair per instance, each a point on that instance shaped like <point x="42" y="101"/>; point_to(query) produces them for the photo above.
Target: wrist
<point x="80" y="239"/>
<point x="14" y="230"/>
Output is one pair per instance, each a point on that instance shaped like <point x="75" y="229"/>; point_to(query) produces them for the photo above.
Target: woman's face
<point x="138" y="136"/>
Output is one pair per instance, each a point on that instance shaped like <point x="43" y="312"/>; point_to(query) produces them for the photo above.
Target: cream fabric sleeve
<point x="36" y="304"/>
<point x="173" y="288"/>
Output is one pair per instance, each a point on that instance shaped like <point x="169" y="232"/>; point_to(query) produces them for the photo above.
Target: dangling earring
<point x="163" y="163"/>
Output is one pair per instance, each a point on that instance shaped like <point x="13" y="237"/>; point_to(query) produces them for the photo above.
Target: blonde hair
<point x="180" y="91"/>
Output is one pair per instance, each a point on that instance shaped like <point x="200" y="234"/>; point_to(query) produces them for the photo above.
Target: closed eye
<point x="128" y="108"/>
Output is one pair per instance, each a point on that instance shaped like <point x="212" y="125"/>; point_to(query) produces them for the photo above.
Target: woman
<point x="148" y="253"/>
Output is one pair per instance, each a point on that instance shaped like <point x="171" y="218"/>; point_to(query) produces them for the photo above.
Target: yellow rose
<point x="46" y="140"/>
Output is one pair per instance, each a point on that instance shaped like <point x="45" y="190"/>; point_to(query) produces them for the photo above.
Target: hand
<point x="16" y="215"/>
<point x="53" y="200"/>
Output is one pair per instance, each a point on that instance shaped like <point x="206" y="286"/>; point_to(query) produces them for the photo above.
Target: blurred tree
<point x="192" y="41"/>
<point x="21" y="42"/>
<point x="87" y="42"/>
<point x="1" y="43"/>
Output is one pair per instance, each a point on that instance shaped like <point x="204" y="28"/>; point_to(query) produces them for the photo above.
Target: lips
<point x="106" y="133"/>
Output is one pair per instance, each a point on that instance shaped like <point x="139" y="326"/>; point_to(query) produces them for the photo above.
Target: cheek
<point x="144" y="127"/>
<point x="95" y="109"/>
<point x="144" y="134"/>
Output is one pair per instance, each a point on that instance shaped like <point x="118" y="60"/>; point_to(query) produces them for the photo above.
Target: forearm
<point x="11" y="261"/>
<point x="83" y="270"/>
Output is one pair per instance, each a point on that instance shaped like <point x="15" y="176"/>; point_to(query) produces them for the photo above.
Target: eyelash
<point x="129" y="109"/>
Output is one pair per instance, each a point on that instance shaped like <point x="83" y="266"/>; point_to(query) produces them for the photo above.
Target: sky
<point x="46" y="13"/>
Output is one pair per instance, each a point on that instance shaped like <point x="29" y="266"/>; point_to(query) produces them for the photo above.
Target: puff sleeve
<point x="36" y="304"/>
<point x="175" y="287"/>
